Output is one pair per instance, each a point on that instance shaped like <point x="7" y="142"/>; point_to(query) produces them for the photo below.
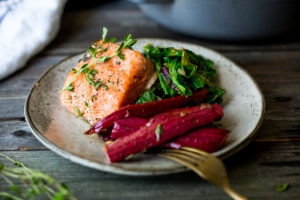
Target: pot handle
<point x="151" y="1"/>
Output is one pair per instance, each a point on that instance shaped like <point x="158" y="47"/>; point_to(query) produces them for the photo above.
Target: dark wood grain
<point x="271" y="159"/>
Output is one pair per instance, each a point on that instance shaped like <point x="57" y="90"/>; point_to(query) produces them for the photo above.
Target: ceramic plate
<point x="62" y="132"/>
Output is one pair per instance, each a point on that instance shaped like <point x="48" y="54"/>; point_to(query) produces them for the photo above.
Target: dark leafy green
<point x="180" y="72"/>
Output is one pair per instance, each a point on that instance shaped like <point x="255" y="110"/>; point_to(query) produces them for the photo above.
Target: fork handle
<point x="234" y="194"/>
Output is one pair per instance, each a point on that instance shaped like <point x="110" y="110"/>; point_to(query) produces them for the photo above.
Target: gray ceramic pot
<point x="226" y="19"/>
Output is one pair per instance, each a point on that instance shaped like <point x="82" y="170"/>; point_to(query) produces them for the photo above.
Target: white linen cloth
<point x="26" y="27"/>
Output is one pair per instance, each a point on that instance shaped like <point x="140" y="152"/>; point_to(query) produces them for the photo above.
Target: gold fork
<point x="205" y="165"/>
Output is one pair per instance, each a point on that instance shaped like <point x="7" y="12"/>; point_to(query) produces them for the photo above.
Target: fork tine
<point x="197" y="151"/>
<point x="195" y="160"/>
<point x="185" y="158"/>
<point x="202" y="162"/>
<point x="183" y="162"/>
<point x="190" y="155"/>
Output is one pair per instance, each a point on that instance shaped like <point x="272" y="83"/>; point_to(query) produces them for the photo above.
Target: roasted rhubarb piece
<point x="208" y="139"/>
<point x="147" y="109"/>
<point x="161" y="128"/>
<point x="127" y="126"/>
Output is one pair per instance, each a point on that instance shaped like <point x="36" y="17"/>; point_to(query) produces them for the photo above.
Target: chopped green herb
<point x="158" y="131"/>
<point x="104" y="58"/>
<point x="89" y="75"/>
<point x="69" y="87"/>
<point x="283" y="187"/>
<point x="92" y="51"/>
<point x="78" y="112"/>
<point x="74" y="70"/>
<point x="93" y="97"/>
<point x="82" y="69"/>
<point x="127" y="43"/>
<point x="100" y="84"/>
<point x="104" y="34"/>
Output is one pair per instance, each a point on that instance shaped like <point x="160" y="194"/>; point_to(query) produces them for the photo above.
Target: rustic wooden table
<point x="271" y="159"/>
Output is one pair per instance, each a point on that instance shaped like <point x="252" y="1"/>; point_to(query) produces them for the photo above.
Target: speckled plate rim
<point x="256" y="105"/>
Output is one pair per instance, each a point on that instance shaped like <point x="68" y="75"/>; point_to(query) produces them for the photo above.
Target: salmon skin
<point x="103" y="82"/>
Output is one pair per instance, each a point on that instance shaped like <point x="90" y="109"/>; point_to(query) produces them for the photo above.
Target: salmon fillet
<point x="95" y="88"/>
